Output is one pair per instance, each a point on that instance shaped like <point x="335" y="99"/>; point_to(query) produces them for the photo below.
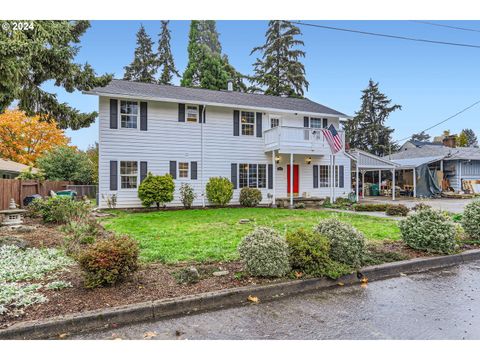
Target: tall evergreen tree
<point x="144" y="65"/>
<point x="470" y="138"/>
<point x="46" y="52"/>
<point x="421" y="136"/>
<point x="279" y="71"/>
<point x="207" y="68"/>
<point x="367" y="130"/>
<point x="165" y="57"/>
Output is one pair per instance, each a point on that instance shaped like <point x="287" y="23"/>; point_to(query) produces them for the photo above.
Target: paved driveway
<point x="442" y="304"/>
<point x="451" y="205"/>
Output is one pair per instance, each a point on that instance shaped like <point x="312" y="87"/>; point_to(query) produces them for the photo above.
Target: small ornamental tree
<point x="219" y="191"/>
<point x="187" y="195"/>
<point x="156" y="189"/>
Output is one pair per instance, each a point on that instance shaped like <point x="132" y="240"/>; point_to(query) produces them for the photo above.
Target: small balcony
<point x="298" y="140"/>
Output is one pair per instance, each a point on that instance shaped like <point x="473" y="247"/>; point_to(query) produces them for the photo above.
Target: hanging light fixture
<point x="308" y="160"/>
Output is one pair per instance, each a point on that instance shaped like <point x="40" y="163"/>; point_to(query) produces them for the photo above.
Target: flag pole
<point x="334" y="179"/>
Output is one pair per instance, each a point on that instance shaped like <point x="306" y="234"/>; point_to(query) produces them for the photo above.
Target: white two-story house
<point x="271" y="143"/>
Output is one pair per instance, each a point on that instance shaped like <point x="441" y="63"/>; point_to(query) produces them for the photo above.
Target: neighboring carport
<point x="365" y="162"/>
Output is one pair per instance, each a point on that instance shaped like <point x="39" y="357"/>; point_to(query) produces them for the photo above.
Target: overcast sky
<point x="430" y="81"/>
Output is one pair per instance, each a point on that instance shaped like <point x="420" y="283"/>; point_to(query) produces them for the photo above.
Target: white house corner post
<point x="356" y="181"/>
<point x="274" y="170"/>
<point x="414" y="182"/>
<point x="379" y="181"/>
<point x="202" y="182"/>
<point x="393" y="184"/>
<point x="291" y="180"/>
<point x="363" y="184"/>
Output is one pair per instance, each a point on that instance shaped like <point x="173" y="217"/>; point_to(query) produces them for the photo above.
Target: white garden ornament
<point x="12" y="217"/>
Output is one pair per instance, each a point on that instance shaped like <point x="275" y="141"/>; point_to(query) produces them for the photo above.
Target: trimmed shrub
<point x="219" y="191"/>
<point x="250" y="197"/>
<point x="108" y="261"/>
<point x="265" y="253"/>
<point x="429" y="230"/>
<point x="471" y="220"/>
<point x="370" y="207"/>
<point x="187" y="195"/>
<point x="347" y="244"/>
<point x="156" y="189"/>
<point x="421" y="206"/>
<point x="59" y="209"/>
<point x="309" y="253"/>
<point x="397" y="210"/>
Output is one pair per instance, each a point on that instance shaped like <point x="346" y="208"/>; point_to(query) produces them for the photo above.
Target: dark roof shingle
<point x="195" y="95"/>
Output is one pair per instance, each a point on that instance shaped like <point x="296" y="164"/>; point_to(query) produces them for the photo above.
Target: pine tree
<point x="279" y="70"/>
<point x="470" y="138"/>
<point x="144" y="65"/>
<point x="367" y="130"/>
<point x="31" y="57"/>
<point x="422" y="136"/>
<point x="165" y="57"/>
<point x="207" y="68"/>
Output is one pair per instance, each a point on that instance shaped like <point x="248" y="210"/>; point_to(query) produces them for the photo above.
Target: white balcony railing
<point x="298" y="139"/>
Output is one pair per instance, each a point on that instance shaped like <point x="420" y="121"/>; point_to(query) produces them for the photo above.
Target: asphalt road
<point x="441" y="304"/>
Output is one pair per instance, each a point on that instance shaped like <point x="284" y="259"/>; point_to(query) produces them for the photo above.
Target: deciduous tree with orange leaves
<point x="23" y="139"/>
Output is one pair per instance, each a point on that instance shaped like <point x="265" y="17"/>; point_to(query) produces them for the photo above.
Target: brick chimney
<point x="450" y="141"/>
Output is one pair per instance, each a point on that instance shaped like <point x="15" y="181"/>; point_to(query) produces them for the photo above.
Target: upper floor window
<point x="318" y="123"/>
<point x="128" y="174"/>
<point x="183" y="170"/>
<point x="191" y="113"/>
<point x="128" y="114"/>
<point x="274" y="122"/>
<point x="248" y="123"/>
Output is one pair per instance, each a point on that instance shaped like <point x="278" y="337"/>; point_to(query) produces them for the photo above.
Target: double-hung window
<point x="253" y="176"/>
<point x="191" y="114"/>
<point x="318" y="123"/>
<point x="248" y="123"/>
<point x="183" y="170"/>
<point x="274" y="122"/>
<point x="128" y="114"/>
<point x="128" y="174"/>
<point x="324" y="175"/>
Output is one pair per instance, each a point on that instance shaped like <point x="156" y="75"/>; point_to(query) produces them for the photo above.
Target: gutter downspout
<point x="201" y="155"/>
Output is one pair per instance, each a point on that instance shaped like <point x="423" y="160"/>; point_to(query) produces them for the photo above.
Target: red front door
<point x="295" y="179"/>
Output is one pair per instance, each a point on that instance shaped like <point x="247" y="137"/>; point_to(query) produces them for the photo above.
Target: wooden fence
<point x="18" y="189"/>
<point x="89" y="191"/>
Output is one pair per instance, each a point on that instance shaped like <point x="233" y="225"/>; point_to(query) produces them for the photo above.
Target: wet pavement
<point x="442" y="304"/>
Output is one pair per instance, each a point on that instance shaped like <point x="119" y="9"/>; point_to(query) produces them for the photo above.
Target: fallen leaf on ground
<point x="298" y="274"/>
<point x="340" y="284"/>
<point x="364" y="285"/>
<point x="364" y="280"/>
<point x="253" y="299"/>
<point x="178" y="333"/>
<point x="149" y="334"/>
<point x="63" y="336"/>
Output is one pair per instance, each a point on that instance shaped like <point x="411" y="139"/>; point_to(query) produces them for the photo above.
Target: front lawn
<point x="213" y="234"/>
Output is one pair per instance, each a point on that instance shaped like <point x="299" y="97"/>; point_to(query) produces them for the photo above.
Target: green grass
<point x="213" y="234"/>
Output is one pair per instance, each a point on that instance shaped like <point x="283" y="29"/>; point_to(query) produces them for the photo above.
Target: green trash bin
<point x="374" y="191"/>
<point x="67" y="193"/>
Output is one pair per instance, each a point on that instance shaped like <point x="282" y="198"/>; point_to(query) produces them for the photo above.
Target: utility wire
<point x="386" y="35"/>
<point x="443" y="121"/>
<point x="445" y="26"/>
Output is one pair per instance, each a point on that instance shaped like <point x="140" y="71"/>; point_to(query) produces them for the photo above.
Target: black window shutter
<point x="193" y="170"/>
<point x="200" y="114"/>
<point x="236" y="123"/>
<point x="325" y="123"/>
<point x="181" y="112"/>
<point x="306" y="121"/>
<point x="113" y="175"/>
<point x="270" y="176"/>
<point x="234" y="175"/>
<point x="173" y="169"/>
<point x="143" y="170"/>
<point x="315" y="176"/>
<point x="143" y="116"/>
<point x="113" y="114"/>
<point x="259" y="124"/>
<point x="341" y="175"/>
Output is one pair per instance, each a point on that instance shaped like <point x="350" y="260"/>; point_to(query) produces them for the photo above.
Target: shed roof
<point x="173" y="93"/>
<point x="416" y="162"/>
<point x="366" y="160"/>
<point x="448" y="153"/>
<point x="12" y="166"/>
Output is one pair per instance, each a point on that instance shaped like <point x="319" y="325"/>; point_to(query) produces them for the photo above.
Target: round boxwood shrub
<point x="429" y="230"/>
<point x="250" y="197"/>
<point x="156" y="189"/>
<point x="309" y="253"/>
<point x="471" y="220"/>
<point x="219" y="191"/>
<point x="397" y="210"/>
<point x="265" y="253"/>
<point x="347" y="244"/>
<point x="108" y="261"/>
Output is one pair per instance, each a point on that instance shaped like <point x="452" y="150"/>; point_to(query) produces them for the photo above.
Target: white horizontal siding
<point x="169" y="140"/>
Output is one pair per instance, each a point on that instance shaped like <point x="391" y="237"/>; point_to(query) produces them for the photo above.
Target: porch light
<point x="277" y="159"/>
<point x="308" y="160"/>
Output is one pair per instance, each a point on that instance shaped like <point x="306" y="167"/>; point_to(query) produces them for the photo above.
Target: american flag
<point x="333" y="138"/>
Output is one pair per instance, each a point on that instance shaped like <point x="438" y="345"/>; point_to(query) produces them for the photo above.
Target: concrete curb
<point x="216" y="300"/>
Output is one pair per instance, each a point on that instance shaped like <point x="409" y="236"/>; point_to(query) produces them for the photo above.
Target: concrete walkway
<point x="451" y="205"/>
